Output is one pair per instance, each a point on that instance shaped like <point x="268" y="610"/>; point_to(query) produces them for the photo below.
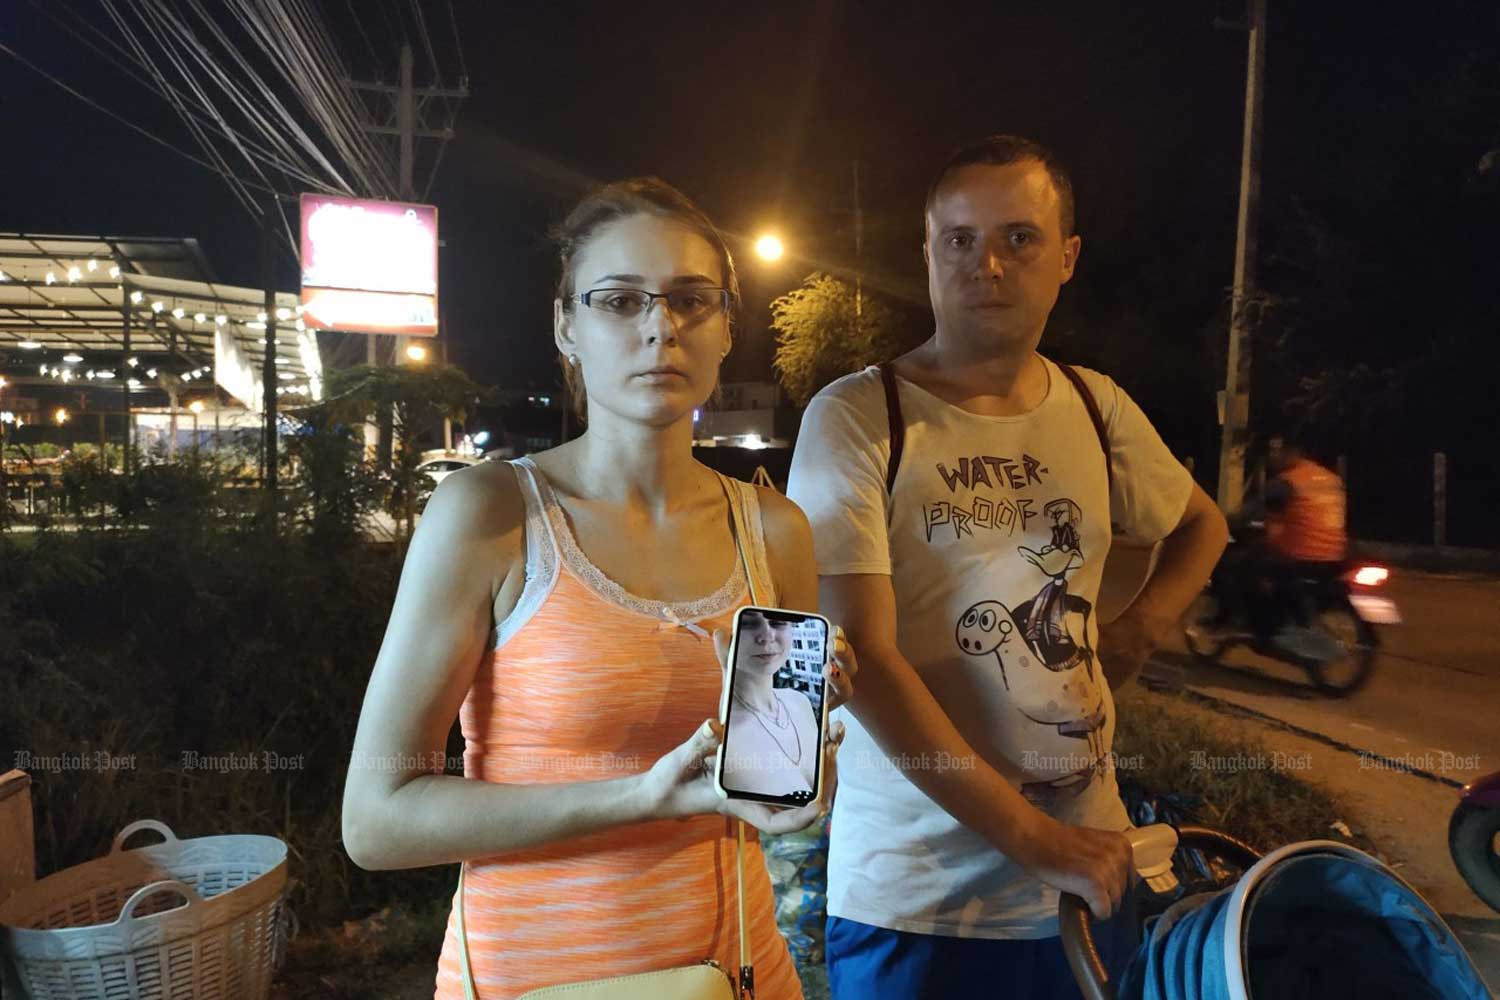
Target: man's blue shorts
<point x="873" y="963"/>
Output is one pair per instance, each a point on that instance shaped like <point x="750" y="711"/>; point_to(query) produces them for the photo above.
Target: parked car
<point x="438" y="469"/>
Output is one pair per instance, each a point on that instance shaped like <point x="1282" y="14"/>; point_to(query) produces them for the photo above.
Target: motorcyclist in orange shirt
<point x="1306" y="535"/>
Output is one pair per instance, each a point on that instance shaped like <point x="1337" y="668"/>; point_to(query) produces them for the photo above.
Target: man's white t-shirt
<point x="994" y="537"/>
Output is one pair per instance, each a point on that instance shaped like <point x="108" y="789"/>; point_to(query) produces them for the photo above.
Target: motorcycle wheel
<point x="1350" y="672"/>
<point x="1474" y="842"/>
<point x="1203" y="638"/>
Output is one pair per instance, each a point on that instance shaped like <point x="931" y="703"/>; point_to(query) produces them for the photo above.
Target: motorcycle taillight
<point x="1371" y="576"/>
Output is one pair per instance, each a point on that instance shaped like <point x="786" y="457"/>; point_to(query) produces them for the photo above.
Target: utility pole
<point x="859" y="238"/>
<point x="1236" y="411"/>
<point x="124" y="382"/>
<point x="268" y="367"/>
<point x="404" y="121"/>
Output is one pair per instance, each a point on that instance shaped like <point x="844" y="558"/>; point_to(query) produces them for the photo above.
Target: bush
<point x="193" y="627"/>
<point x="149" y="647"/>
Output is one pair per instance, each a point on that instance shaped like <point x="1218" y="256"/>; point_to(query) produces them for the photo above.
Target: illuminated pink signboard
<point x="369" y="266"/>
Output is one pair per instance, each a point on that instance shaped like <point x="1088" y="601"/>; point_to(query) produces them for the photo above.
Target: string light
<point x="151" y="373"/>
<point x="133" y="362"/>
<point x="158" y="306"/>
<point x="199" y="318"/>
<point x="93" y="265"/>
<point x="51" y="278"/>
<point x="179" y="312"/>
<point x="136" y="297"/>
<point x="114" y="272"/>
<point x="74" y="274"/>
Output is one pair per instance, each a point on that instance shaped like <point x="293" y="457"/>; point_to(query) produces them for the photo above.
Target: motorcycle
<point x="1474" y="838"/>
<point x="1330" y="621"/>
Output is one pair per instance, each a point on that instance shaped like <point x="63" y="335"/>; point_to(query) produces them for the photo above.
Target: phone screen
<point x="773" y="707"/>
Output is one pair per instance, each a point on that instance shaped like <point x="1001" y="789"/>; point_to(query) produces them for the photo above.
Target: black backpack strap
<point x="1092" y="405"/>
<point x="898" y="423"/>
<point x="1095" y="417"/>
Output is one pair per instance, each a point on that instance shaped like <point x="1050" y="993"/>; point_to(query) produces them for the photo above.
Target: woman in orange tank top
<point x="567" y="608"/>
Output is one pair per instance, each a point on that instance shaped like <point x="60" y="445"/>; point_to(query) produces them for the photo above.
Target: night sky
<point x="759" y="111"/>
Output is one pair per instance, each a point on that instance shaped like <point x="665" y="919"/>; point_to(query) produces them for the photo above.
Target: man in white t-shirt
<point x="976" y="779"/>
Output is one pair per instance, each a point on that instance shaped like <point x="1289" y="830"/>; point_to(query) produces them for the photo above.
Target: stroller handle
<point x="1073" y="913"/>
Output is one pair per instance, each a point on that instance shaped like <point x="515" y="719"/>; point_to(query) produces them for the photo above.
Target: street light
<point x="416" y="352"/>
<point x="769" y="248"/>
<point x="61" y="416"/>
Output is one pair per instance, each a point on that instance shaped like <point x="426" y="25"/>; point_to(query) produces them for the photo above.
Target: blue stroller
<point x="1318" y="919"/>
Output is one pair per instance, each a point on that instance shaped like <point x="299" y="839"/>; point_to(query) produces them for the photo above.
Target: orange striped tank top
<point x="586" y="682"/>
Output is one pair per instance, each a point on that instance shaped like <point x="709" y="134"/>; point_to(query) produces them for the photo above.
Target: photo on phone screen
<point x="773" y="707"/>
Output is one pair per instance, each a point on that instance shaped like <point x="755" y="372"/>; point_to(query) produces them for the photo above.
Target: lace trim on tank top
<point x="682" y="613"/>
<point x="541" y="557"/>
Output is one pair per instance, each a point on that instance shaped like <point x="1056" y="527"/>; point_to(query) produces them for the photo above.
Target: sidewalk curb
<point x="1174" y="685"/>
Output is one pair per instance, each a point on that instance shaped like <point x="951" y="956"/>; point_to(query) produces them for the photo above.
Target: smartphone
<point x="773" y="707"/>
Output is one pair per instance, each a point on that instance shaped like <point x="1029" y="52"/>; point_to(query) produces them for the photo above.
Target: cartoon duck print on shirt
<point x="1044" y="617"/>
<point x="1049" y="676"/>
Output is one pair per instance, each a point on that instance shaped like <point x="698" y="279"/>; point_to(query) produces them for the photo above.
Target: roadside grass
<point x="1264" y="805"/>
<point x="1246" y="789"/>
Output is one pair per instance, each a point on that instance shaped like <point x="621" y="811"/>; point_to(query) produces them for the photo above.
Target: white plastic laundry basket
<point x="197" y="919"/>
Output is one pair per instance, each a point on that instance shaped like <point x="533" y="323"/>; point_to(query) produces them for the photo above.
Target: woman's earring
<point x="572" y="361"/>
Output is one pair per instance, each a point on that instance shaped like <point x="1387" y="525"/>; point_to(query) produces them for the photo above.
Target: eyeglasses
<point x="687" y="304"/>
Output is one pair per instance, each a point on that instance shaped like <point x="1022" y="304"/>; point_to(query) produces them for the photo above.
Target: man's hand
<point x="1094" y="864"/>
<point x="1126" y="643"/>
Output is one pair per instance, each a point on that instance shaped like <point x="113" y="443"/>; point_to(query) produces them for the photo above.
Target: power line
<point x="130" y="124"/>
<point x="463" y="67"/>
<point x="126" y="63"/>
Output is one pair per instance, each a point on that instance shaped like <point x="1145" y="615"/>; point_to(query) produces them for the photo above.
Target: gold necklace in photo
<point x="797" y="760"/>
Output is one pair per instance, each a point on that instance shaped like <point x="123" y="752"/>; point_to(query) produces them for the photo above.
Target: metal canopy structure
<point x="143" y="316"/>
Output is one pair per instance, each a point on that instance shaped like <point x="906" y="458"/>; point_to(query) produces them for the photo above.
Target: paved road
<point x="1433" y="703"/>
<point x="1434" y="699"/>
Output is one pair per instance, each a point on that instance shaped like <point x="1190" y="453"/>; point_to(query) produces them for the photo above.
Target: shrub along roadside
<point x="211" y="680"/>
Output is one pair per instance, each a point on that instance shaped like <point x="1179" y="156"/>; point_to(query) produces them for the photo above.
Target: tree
<point x="824" y="333"/>
<point x="419" y="398"/>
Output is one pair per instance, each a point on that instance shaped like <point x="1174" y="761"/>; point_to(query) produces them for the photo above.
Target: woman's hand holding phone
<point x="681" y="784"/>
